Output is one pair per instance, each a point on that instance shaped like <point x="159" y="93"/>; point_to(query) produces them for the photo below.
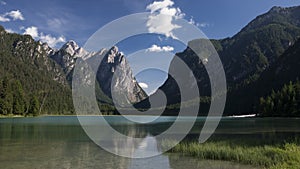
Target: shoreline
<point x="49" y="115"/>
<point x="95" y="115"/>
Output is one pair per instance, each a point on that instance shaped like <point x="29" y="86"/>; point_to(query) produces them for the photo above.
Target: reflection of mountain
<point x="246" y="57"/>
<point x="53" y="143"/>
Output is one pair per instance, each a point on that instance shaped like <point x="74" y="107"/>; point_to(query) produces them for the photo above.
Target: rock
<point x="112" y="61"/>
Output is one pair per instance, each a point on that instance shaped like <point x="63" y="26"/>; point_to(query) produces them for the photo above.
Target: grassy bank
<point x="281" y="156"/>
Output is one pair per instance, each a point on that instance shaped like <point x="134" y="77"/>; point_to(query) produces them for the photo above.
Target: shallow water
<point x="60" y="142"/>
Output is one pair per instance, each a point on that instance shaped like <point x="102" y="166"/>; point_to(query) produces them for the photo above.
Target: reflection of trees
<point x="52" y="146"/>
<point x="65" y="145"/>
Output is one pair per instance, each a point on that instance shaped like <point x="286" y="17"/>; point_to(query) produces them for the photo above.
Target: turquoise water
<point x="60" y="142"/>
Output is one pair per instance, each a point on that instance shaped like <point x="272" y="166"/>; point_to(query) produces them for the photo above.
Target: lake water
<point x="60" y="142"/>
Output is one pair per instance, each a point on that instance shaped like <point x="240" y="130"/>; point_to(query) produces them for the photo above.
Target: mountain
<point x="111" y="60"/>
<point x="33" y="72"/>
<point x="283" y="71"/>
<point x="66" y="57"/>
<point x="26" y="72"/>
<point x="115" y="75"/>
<point x="260" y="58"/>
<point x="245" y="56"/>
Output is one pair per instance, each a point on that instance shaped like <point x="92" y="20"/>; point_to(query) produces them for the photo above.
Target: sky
<point x="58" y="21"/>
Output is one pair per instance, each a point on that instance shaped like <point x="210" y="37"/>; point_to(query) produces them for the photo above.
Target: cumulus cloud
<point x="4" y="19"/>
<point x="155" y="48"/>
<point x="156" y="5"/>
<point x="143" y="85"/>
<point x="32" y="31"/>
<point x="50" y="40"/>
<point x="162" y="16"/>
<point x="14" y="15"/>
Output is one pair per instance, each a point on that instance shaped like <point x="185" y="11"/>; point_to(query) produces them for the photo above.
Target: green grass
<point x="284" y="156"/>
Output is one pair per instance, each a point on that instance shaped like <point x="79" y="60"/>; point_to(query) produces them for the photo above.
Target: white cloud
<point x="14" y="15"/>
<point x="32" y="31"/>
<point x="4" y="19"/>
<point x="50" y="40"/>
<point x="2" y="2"/>
<point x="155" y="48"/>
<point x="156" y="5"/>
<point x="143" y="85"/>
<point x="201" y="25"/>
<point x="162" y="17"/>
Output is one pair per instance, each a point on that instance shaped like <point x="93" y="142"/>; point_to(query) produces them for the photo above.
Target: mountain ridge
<point x="111" y="60"/>
<point x="245" y="56"/>
<point x="46" y="73"/>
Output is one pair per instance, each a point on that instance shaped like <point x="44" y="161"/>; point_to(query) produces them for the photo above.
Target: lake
<point x="60" y="142"/>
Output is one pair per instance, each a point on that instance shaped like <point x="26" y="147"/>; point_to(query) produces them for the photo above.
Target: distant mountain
<point x="114" y="63"/>
<point x="245" y="56"/>
<point x="66" y="57"/>
<point x="262" y="57"/>
<point x="112" y="60"/>
<point x="42" y="74"/>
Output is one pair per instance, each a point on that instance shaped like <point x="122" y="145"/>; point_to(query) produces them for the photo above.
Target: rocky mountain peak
<point x="70" y="45"/>
<point x="66" y="56"/>
<point x="114" y="56"/>
<point x="73" y="49"/>
<point x="44" y="46"/>
<point x="113" y="60"/>
<point x="114" y="49"/>
<point x="114" y="64"/>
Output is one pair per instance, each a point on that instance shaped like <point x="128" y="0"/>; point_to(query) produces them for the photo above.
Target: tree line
<point x="282" y="103"/>
<point x="13" y="100"/>
<point x="30" y="82"/>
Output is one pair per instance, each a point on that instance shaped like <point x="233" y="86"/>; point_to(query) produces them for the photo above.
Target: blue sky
<point x="57" y="21"/>
<point x="79" y="19"/>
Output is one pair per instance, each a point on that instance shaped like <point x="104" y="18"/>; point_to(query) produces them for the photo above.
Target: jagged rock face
<point x="66" y="56"/>
<point x="112" y="60"/>
<point x="115" y="74"/>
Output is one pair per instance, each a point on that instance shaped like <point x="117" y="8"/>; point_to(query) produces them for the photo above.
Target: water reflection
<point x="56" y="143"/>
